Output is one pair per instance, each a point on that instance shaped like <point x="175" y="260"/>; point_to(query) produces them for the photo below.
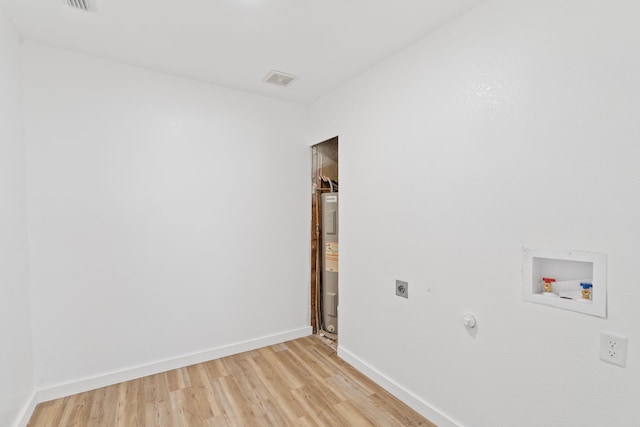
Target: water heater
<point x="330" y="255"/>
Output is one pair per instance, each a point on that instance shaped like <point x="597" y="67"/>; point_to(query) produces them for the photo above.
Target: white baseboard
<point x="107" y="379"/>
<point x="423" y="408"/>
<point x="27" y="410"/>
<point x="92" y="383"/>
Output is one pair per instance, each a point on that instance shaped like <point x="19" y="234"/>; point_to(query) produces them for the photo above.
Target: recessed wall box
<point x="570" y="272"/>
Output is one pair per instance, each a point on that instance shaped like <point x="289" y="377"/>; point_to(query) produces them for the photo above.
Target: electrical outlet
<point x="402" y="289"/>
<point x="613" y="349"/>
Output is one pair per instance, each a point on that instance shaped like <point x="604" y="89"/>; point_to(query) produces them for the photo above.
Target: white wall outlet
<point x="613" y="349"/>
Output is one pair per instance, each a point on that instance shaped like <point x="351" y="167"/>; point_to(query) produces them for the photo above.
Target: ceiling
<point x="235" y="43"/>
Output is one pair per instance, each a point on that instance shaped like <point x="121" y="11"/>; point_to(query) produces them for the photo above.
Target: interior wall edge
<point x="16" y="370"/>
<point x="27" y="410"/>
<point x="406" y="396"/>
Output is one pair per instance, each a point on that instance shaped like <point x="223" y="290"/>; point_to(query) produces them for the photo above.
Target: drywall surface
<point x="16" y="377"/>
<point x="515" y="125"/>
<point x="167" y="217"/>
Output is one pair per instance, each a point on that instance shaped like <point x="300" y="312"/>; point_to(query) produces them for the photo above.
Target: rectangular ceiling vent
<point x="84" y="5"/>
<point x="279" y="78"/>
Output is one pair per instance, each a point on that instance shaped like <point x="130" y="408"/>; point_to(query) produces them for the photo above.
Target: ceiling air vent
<point x="84" y="5"/>
<point x="279" y="78"/>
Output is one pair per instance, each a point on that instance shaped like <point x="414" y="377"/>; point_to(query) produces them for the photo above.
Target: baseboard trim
<point x="423" y="408"/>
<point x="92" y="383"/>
<point x="25" y="414"/>
<point x="104" y="380"/>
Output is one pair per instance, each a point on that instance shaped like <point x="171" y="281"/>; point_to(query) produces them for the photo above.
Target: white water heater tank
<point x="330" y="258"/>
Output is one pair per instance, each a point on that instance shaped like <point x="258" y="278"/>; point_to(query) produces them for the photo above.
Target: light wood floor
<point x="298" y="383"/>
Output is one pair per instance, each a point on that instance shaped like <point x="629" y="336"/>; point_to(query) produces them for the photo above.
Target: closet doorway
<point x="325" y="251"/>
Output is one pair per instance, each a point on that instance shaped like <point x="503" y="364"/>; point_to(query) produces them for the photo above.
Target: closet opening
<point x="325" y="240"/>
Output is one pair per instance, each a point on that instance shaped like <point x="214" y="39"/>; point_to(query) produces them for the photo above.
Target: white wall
<point x="515" y="125"/>
<point x="16" y="375"/>
<point x="166" y="217"/>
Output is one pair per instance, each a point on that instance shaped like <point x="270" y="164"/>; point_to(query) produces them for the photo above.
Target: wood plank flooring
<point x="297" y="383"/>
